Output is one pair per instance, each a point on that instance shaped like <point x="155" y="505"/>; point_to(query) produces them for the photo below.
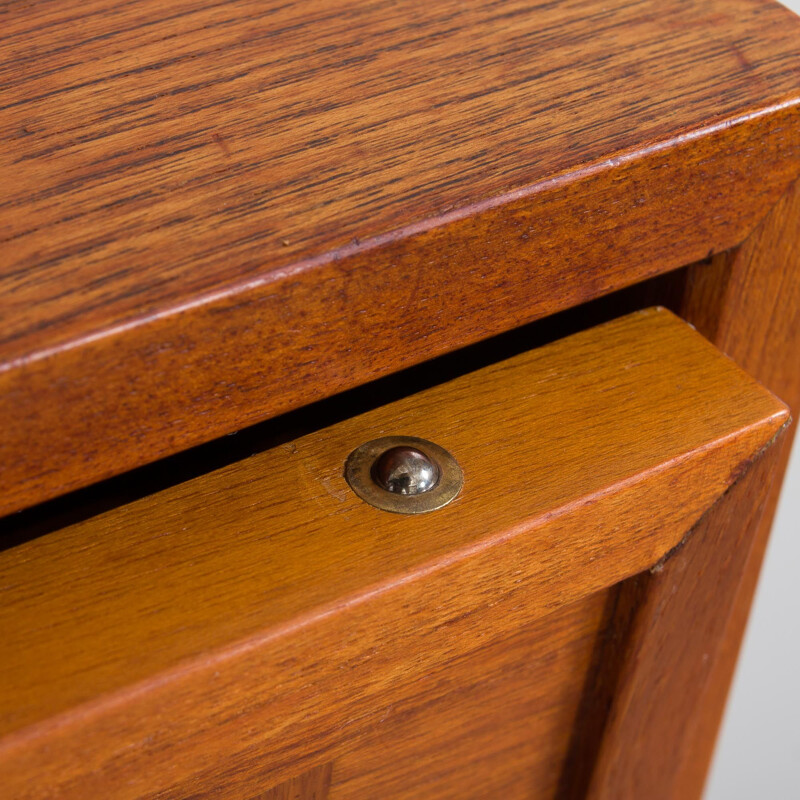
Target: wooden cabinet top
<point x="155" y="153"/>
<point x="208" y="207"/>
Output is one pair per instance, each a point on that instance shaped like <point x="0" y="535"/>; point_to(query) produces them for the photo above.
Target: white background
<point x="758" y="752"/>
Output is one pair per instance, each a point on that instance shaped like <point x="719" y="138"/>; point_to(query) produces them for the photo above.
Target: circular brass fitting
<point x="403" y="474"/>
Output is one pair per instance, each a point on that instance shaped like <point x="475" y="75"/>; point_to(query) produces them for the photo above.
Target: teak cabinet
<point x="557" y="240"/>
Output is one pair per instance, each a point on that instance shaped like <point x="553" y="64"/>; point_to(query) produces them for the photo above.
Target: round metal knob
<point x="404" y="474"/>
<point x="405" y="470"/>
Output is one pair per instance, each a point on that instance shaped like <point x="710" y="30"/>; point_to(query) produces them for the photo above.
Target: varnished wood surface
<point x="311" y="785"/>
<point x="494" y="722"/>
<point x="156" y="152"/>
<point x="675" y="641"/>
<point x="196" y="626"/>
<point x="661" y="735"/>
<point x="457" y="710"/>
<point x="214" y="213"/>
<point x="748" y="304"/>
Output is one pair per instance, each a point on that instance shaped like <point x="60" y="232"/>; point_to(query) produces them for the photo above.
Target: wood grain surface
<point x="192" y="630"/>
<point x="663" y="724"/>
<point x="494" y="722"/>
<point x="748" y="304"/>
<point x="214" y="212"/>
<point x="680" y="612"/>
<point x="311" y="785"/>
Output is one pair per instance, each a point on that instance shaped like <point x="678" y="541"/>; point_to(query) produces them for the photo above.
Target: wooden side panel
<point x="661" y="732"/>
<point x="748" y="304"/>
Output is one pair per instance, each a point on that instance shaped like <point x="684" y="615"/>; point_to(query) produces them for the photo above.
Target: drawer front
<point x="261" y="631"/>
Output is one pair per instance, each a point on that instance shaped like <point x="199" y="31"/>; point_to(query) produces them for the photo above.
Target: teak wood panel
<point x="400" y="180"/>
<point x="494" y="723"/>
<point x="223" y="616"/>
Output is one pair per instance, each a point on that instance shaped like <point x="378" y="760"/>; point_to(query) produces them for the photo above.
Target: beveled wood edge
<point x="213" y="348"/>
